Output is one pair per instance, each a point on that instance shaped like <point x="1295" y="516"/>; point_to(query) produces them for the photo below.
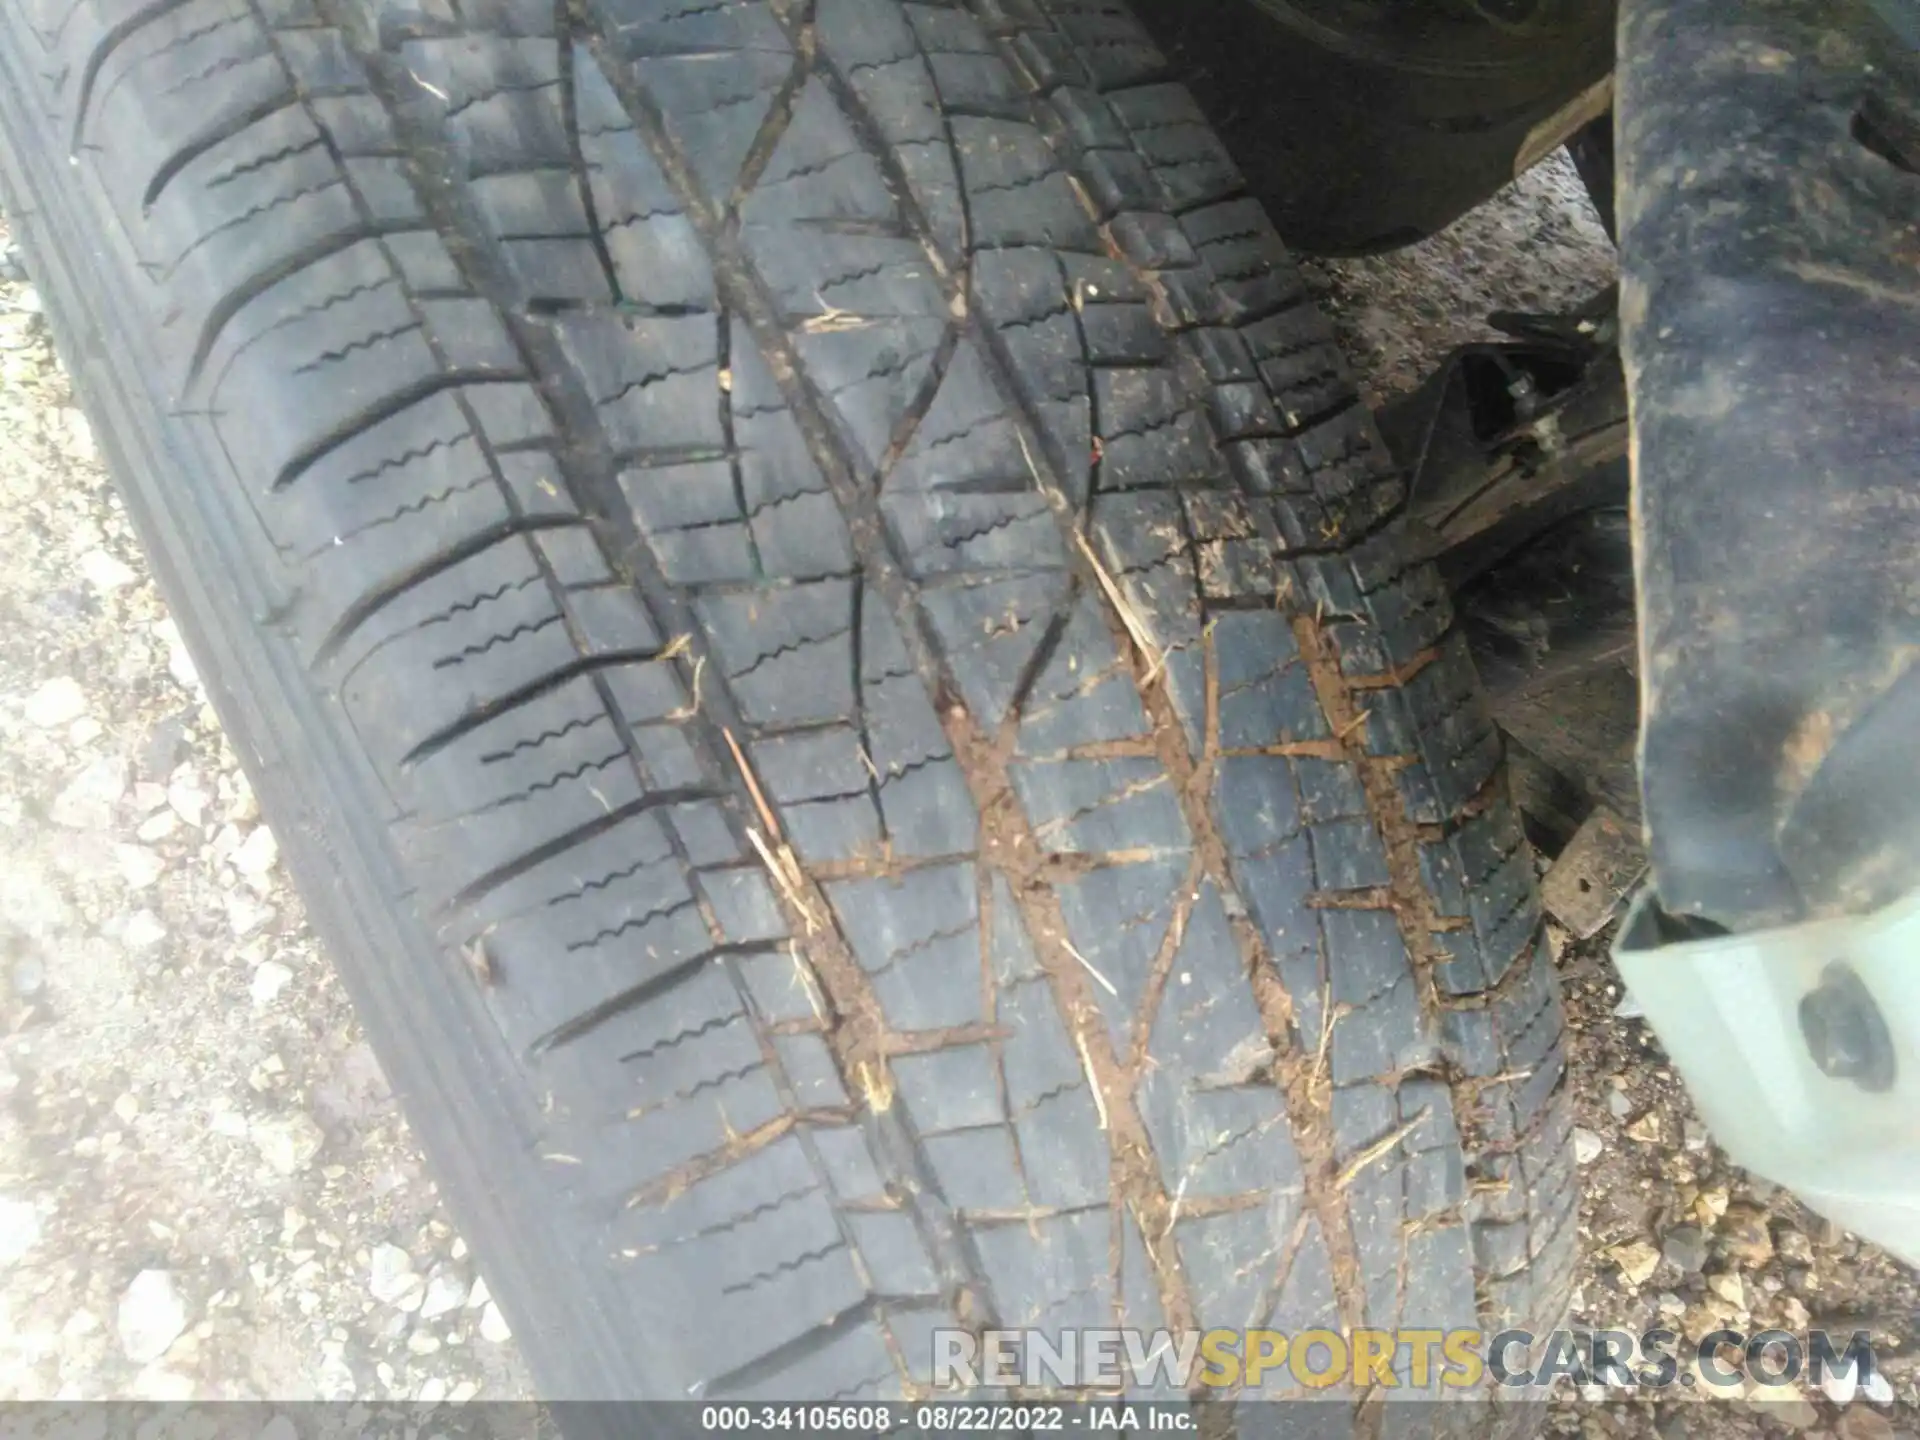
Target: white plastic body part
<point x="1728" y="1011"/>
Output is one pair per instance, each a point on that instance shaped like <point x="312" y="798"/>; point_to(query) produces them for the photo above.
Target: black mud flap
<point x="1769" y="212"/>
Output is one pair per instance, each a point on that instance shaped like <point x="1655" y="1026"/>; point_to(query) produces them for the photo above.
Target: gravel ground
<point x="206" y="1189"/>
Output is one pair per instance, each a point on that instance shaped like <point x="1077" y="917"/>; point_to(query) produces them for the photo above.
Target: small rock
<point x="142" y="931"/>
<point x="432" y="1390"/>
<point x="1671" y="1304"/>
<point x="85" y="731"/>
<point x="156" y="828"/>
<point x="151" y="1317"/>
<point x="1686" y="1247"/>
<point x="268" y="981"/>
<point x="1693" y="1135"/>
<point x="423" y="1342"/>
<point x="1794" y="1247"/>
<point x="1712" y="1204"/>
<point x="391" y="1276"/>
<point x="188" y="800"/>
<point x="148" y="797"/>
<point x="1730" y="1289"/>
<point x="246" y="915"/>
<point x="446" y="1292"/>
<point x="88" y="801"/>
<point x="1745" y="1236"/>
<point x="257" y="853"/>
<point x="462" y="1393"/>
<point x="164" y="747"/>
<point x="244" y="809"/>
<point x="1587" y="1146"/>
<point x="1860" y="1423"/>
<point x="1630" y="1008"/>
<point x="479" y="1295"/>
<point x="493" y="1325"/>
<point x="1646" y="1129"/>
<point x="1786" y="1408"/>
<point x="1637" y="1261"/>
<point x="19" y="1228"/>
<point x="29" y="976"/>
<point x="139" y="866"/>
<point x="106" y="572"/>
<point x="58" y="702"/>
<point x="288" y="1143"/>
<point x="280" y="1427"/>
<point x="1619" y="1104"/>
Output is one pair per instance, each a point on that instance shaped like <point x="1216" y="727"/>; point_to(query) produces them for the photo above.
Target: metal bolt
<point x="1845" y="1032"/>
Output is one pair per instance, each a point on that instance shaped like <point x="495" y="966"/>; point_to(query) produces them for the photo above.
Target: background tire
<point x="822" y="629"/>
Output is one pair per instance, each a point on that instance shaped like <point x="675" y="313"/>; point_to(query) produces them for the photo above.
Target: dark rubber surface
<point x="568" y="438"/>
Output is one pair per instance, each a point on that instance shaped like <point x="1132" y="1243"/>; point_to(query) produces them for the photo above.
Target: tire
<point x="741" y="553"/>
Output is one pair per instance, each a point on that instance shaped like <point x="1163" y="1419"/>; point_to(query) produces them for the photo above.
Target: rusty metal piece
<point x="1595" y="875"/>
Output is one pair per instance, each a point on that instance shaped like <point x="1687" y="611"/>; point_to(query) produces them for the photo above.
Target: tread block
<point x="950" y="1090"/>
<point x="1016" y="192"/>
<point x="796" y="527"/>
<point x="990" y="632"/>
<point x="189" y="77"/>
<point x="1266" y="695"/>
<point x="1117" y="920"/>
<point x="1050" y="1273"/>
<point x="1218" y="1121"/>
<point x="924" y="801"/>
<point x="822" y="787"/>
<point x="818" y="171"/>
<point x="855" y="1364"/>
<point x="654" y="380"/>
<point x="657" y="255"/>
<point x="1231" y="1259"/>
<point x="872" y="45"/>
<point x="1085" y="694"/>
<point x="786" y="651"/>
<point x="1090" y="807"/>
<point x="917" y="938"/>
<point x="1372" y="976"/>
<point x="977" y="1170"/>
<point x="1149" y="432"/>
<point x="1023" y="293"/>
